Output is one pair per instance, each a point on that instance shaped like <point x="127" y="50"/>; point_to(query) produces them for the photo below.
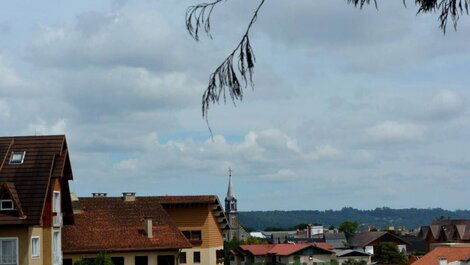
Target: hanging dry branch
<point x="236" y="72"/>
<point x="198" y="16"/>
<point x="452" y="8"/>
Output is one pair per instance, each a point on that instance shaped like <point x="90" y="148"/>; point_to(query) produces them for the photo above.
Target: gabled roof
<point x="8" y="190"/>
<point x="46" y="158"/>
<point x="186" y="200"/>
<point x="280" y="249"/>
<point x="450" y="253"/>
<point x="351" y="253"/>
<point x="112" y="224"/>
<point x="447" y="230"/>
<point x="366" y="238"/>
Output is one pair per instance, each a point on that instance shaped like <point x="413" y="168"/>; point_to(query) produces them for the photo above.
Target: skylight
<point x="6" y="205"/>
<point x="17" y="157"/>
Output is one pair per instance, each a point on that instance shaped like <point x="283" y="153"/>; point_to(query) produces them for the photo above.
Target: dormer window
<point x="6" y="205"/>
<point x="17" y="157"/>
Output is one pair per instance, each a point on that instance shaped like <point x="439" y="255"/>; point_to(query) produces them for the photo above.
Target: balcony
<point x="57" y="220"/>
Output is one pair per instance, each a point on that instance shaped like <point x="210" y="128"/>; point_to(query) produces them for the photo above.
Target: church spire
<point x="229" y="190"/>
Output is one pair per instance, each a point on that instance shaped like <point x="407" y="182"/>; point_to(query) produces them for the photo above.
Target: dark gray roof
<point x="365" y="238"/>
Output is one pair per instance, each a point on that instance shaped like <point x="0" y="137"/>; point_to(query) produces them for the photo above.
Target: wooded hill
<point x="379" y="217"/>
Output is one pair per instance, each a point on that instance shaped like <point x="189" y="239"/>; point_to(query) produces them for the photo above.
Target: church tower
<point x="231" y="211"/>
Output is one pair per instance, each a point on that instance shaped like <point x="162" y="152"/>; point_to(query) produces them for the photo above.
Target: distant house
<point x="337" y="240"/>
<point x="147" y="230"/>
<point x="258" y="235"/>
<point x="202" y="221"/>
<point x="308" y="254"/>
<point x="444" y="231"/>
<point x="368" y="241"/>
<point x="279" y="237"/>
<point x="132" y="230"/>
<point x="34" y="199"/>
<point x="446" y="256"/>
<point x="343" y="255"/>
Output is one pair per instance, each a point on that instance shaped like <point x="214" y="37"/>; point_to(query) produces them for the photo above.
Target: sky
<point x="359" y="108"/>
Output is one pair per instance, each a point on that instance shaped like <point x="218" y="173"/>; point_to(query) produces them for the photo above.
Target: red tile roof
<point x="46" y="157"/>
<point x="450" y="253"/>
<point x="324" y="245"/>
<point x="179" y="199"/>
<point x="281" y="249"/>
<point x="112" y="224"/>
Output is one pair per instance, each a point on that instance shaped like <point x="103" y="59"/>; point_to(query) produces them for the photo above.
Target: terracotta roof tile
<point x="112" y="224"/>
<point x="450" y="253"/>
<point x="186" y="199"/>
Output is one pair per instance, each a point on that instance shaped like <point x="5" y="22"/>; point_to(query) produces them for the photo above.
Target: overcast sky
<point x="360" y="108"/>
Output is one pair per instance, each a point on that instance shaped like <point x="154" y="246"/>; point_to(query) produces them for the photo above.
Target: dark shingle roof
<point x="46" y="157"/>
<point x="365" y="238"/>
<point x="112" y="224"/>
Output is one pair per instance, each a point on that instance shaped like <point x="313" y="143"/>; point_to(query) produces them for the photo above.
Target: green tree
<point x="349" y="228"/>
<point x="102" y="259"/>
<point x="355" y="262"/>
<point x="388" y="253"/>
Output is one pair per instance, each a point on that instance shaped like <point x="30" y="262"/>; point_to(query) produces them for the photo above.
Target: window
<point x="6" y="205"/>
<point x="197" y="257"/>
<point x="9" y="251"/>
<point x="195" y="235"/>
<point x="141" y="260"/>
<point x="219" y="254"/>
<point x="56" y="248"/>
<point x="118" y="260"/>
<point x="56" y="202"/>
<point x="67" y="262"/>
<point x="183" y="258"/>
<point x="35" y="247"/>
<point x="17" y="157"/>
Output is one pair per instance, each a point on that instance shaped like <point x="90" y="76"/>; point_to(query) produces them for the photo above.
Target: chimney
<point x="309" y="231"/>
<point x="148" y="227"/>
<point x="442" y="261"/>
<point x="99" y="194"/>
<point x="128" y="196"/>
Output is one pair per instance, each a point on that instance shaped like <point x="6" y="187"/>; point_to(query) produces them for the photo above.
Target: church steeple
<point x="231" y="210"/>
<point x="230" y="189"/>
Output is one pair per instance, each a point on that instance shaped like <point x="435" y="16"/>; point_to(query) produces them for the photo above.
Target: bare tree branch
<point x="452" y="8"/>
<point x="198" y="16"/>
<point x="236" y="71"/>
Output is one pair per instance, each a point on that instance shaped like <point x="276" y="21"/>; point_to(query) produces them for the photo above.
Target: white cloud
<point x="281" y="175"/>
<point x="43" y="128"/>
<point x="396" y="131"/>
<point x="446" y="103"/>
<point x="4" y="110"/>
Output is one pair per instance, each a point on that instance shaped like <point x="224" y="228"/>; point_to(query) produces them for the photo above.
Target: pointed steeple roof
<point x="230" y="189"/>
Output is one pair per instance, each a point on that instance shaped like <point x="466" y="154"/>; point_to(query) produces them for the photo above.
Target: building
<point x="202" y="221"/>
<point x="147" y="230"/>
<point x="132" y="230"/>
<point x="445" y="231"/>
<point x="231" y="211"/>
<point x="337" y="240"/>
<point x="368" y="241"/>
<point x="308" y="254"/>
<point x="344" y="255"/>
<point x="446" y="256"/>
<point x="34" y="199"/>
